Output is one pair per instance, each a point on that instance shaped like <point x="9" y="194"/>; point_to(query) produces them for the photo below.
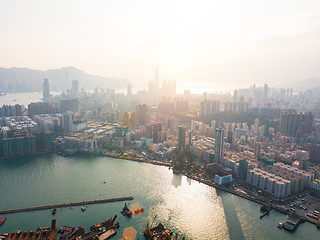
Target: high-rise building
<point x="257" y="149"/>
<point x="67" y="122"/>
<point x="242" y="169"/>
<point x="71" y="105"/>
<point x="129" y="90"/>
<point x="126" y="119"/>
<point x="266" y="128"/>
<point x="75" y="88"/>
<point x="219" y="145"/>
<point x="235" y="95"/>
<point x="133" y="119"/>
<point x="142" y="112"/>
<point x="46" y="91"/>
<point x="182" y="137"/>
<point x="291" y="122"/>
<point x="265" y="92"/>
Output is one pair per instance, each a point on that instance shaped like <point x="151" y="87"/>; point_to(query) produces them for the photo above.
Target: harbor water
<point x="189" y="208"/>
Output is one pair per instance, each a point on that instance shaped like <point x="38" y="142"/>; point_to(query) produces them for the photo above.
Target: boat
<point x="158" y="232"/>
<point x="139" y="210"/>
<point x="54" y="211"/>
<point x="126" y="211"/>
<point x="108" y="234"/>
<point x="280" y="225"/>
<point x="109" y="223"/>
<point x="84" y="208"/>
<point x="2" y="220"/>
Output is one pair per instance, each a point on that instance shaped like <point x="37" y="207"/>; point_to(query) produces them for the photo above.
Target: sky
<point x="211" y="44"/>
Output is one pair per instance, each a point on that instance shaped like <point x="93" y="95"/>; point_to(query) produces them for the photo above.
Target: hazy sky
<point x="226" y="43"/>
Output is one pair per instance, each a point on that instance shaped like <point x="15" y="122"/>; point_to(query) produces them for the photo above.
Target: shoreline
<point x="166" y="164"/>
<point x="216" y="186"/>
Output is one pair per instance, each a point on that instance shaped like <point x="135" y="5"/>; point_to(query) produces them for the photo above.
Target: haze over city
<point x="214" y="45"/>
<point x="159" y="120"/>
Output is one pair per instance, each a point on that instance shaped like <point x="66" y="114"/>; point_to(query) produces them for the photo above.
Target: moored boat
<point x="83" y="208"/>
<point x="2" y="220"/>
<point x="54" y="211"/>
<point x="158" y="232"/>
<point x="126" y="211"/>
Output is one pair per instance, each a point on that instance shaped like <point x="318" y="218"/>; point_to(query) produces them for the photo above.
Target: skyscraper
<point x="46" y="91"/>
<point x="75" y="87"/>
<point x="126" y="119"/>
<point x="182" y="137"/>
<point x="242" y="169"/>
<point x="133" y="119"/>
<point x="266" y="128"/>
<point x="265" y="92"/>
<point x="129" y="90"/>
<point x="291" y="122"/>
<point x="219" y="145"/>
<point x="141" y="114"/>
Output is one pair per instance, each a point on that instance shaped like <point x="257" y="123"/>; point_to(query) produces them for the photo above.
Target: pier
<point x="51" y="206"/>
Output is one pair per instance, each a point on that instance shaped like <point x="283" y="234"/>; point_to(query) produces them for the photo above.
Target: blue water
<point x="189" y="208"/>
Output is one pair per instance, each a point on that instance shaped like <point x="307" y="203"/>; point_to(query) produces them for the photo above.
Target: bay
<point x="189" y="208"/>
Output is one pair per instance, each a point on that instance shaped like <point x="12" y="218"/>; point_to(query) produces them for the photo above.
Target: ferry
<point x="2" y="220"/>
<point x="280" y="225"/>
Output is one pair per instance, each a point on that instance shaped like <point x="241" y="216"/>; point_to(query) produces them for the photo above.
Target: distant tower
<point x="235" y="95"/>
<point x="266" y="128"/>
<point x="156" y="77"/>
<point x="46" y="91"/>
<point x="182" y="137"/>
<point x="190" y="140"/>
<point x="129" y="90"/>
<point x="75" y="87"/>
<point x="265" y="92"/>
<point x="219" y="145"/>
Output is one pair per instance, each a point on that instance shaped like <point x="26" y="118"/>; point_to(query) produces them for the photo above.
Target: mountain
<point x="309" y="83"/>
<point x="29" y="80"/>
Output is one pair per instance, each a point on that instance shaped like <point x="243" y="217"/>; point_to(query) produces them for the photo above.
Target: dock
<point x="52" y="206"/>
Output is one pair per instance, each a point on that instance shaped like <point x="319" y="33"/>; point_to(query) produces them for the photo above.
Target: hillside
<point x="29" y="80"/>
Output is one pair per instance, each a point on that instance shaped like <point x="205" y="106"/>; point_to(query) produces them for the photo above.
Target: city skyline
<point x="214" y="45"/>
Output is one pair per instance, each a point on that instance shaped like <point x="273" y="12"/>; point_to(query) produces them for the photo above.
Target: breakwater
<point x="52" y="206"/>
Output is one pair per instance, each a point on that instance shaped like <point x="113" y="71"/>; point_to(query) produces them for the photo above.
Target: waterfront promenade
<point x="52" y="206"/>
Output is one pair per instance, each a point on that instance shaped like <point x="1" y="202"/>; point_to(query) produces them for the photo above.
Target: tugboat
<point x="2" y="220"/>
<point x="280" y="225"/>
<point x="126" y="211"/>
<point x="54" y="211"/>
<point x="84" y="208"/>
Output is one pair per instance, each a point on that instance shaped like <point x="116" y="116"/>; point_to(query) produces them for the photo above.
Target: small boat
<point x="139" y="210"/>
<point x="126" y="211"/>
<point x="84" y="208"/>
<point x="280" y="225"/>
<point x="54" y="211"/>
<point x="2" y="220"/>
